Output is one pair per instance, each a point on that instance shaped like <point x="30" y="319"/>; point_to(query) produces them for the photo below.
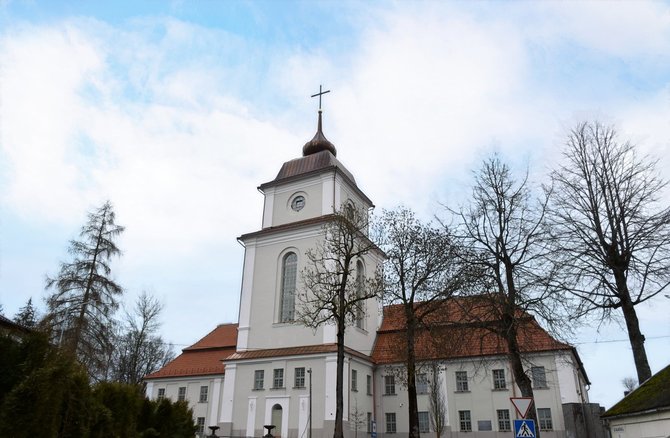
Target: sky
<point x="177" y="111"/>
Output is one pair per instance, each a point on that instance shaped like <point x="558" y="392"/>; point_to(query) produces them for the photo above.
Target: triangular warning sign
<point x="521" y="404"/>
<point x="525" y="431"/>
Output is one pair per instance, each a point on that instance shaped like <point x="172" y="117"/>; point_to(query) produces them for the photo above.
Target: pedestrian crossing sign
<point x="524" y="429"/>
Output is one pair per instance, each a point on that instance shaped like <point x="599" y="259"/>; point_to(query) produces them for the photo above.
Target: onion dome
<point x="318" y="143"/>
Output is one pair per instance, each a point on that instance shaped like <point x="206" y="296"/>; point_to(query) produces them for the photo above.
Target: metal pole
<point x="310" y="402"/>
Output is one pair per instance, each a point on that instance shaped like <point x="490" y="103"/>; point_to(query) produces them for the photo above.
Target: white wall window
<point x="360" y="285"/>
<point x="299" y="380"/>
<point x="421" y="383"/>
<point x="161" y="394"/>
<point x="539" y="376"/>
<point x="424" y="422"/>
<point x="259" y="379"/>
<point x="462" y="381"/>
<point x="289" y="274"/>
<point x="390" y="422"/>
<point x="368" y="384"/>
<point x="504" y="424"/>
<point x="354" y="380"/>
<point x="499" y="379"/>
<point x="203" y="394"/>
<point x="181" y="396"/>
<point x="278" y="378"/>
<point x="465" y="421"/>
<point x="389" y="385"/>
<point x="200" y="423"/>
<point x="544" y="418"/>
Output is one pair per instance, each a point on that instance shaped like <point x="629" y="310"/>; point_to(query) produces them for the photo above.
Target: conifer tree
<point x="85" y="297"/>
<point x="27" y="315"/>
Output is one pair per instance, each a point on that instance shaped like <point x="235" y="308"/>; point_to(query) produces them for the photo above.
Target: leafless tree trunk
<point x="333" y="293"/>
<point x="438" y="406"/>
<point x="423" y="269"/>
<point x="612" y="238"/>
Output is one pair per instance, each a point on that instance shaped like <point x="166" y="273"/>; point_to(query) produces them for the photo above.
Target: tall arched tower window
<point x="360" y="309"/>
<point x="289" y="274"/>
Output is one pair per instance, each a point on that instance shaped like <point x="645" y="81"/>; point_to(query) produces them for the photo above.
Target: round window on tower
<point x="298" y="203"/>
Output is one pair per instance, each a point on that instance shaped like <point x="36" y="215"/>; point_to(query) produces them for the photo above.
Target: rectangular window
<point x="203" y="394"/>
<point x="161" y="394"/>
<point x="182" y="393"/>
<point x="354" y="380"/>
<point x="504" y="424"/>
<point x="299" y="381"/>
<point x="389" y="385"/>
<point x="539" y="377"/>
<point x="278" y="378"/>
<point x="544" y="418"/>
<point x="369" y="422"/>
<point x="465" y="421"/>
<point x="461" y="381"/>
<point x="421" y="384"/>
<point x="200" y="423"/>
<point x="499" y="379"/>
<point x="368" y="384"/>
<point x="390" y="422"/>
<point x="259" y="379"/>
<point x="424" y="422"/>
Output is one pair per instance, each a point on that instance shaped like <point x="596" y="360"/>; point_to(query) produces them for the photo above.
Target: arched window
<point x="289" y="274"/>
<point x="360" y="308"/>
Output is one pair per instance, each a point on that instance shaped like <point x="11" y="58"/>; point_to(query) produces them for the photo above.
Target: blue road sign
<point x="524" y="429"/>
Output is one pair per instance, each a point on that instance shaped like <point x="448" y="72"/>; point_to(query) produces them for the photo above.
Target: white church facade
<point x="268" y="370"/>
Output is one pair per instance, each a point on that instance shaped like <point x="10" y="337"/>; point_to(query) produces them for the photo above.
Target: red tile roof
<point x="204" y="357"/>
<point x="456" y="332"/>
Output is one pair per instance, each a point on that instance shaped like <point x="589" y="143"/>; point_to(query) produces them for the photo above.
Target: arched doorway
<point x="276" y="419"/>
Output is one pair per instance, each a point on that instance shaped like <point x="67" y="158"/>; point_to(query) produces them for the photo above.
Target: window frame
<point x="288" y="287"/>
<point x="354" y="380"/>
<point x="504" y="420"/>
<point x="368" y="384"/>
<point x="204" y="394"/>
<point x="465" y="424"/>
<point x="544" y="421"/>
<point x="539" y="377"/>
<point x="499" y="381"/>
<point x="181" y="393"/>
<point x="421" y="382"/>
<point x="425" y="422"/>
<point x="161" y="394"/>
<point x="391" y="423"/>
<point x="200" y="424"/>
<point x="462" y="384"/>
<point x="389" y="384"/>
<point x="360" y="305"/>
<point x="259" y="380"/>
<point x="299" y="378"/>
<point x="278" y="378"/>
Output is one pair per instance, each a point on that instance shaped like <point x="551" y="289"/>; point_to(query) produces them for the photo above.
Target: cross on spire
<point x="320" y="93"/>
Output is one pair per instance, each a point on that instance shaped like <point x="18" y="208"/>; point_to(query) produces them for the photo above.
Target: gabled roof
<point x="9" y="325"/>
<point x="652" y="395"/>
<point x="204" y="357"/>
<point x="456" y="333"/>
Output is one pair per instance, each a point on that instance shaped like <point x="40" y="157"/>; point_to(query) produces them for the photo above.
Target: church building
<point x="269" y="370"/>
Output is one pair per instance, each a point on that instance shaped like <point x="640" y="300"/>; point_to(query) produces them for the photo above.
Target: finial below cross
<point x="320" y="93"/>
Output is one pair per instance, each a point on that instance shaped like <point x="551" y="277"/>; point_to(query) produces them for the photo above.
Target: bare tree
<point x="612" y="236"/>
<point x="504" y="228"/>
<point x="424" y="267"/>
<point x="438" y="405"/>
<point x="629" y="384"/>
<point x="333" y="293"/>
<point x="81" y="309"/>
<point x="139" y="350"/>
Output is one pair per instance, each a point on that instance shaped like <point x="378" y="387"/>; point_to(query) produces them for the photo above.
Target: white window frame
<point x="259" y="379"/>
<point x="421" y="381"/>
<point x="389" y="384"/>
<point x="465" y="421"/>
<point x="299" y="377"/>
<point x="504" y="421"/>
<point x="424" y="422"/>
<point x="539" y="376"/>
<point x="278" y="378"/>
<point x="499" y="381"/>
<point x="462" y="381"/>
<point x="204" y="394"/>
<point x="161" y="394"/>
<point x="354" y="380"/>
<point x="289" y="281"/>
<point x="181" y="395"/>
<point x="391" y="424"/>
<point x="544" y="419"/>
